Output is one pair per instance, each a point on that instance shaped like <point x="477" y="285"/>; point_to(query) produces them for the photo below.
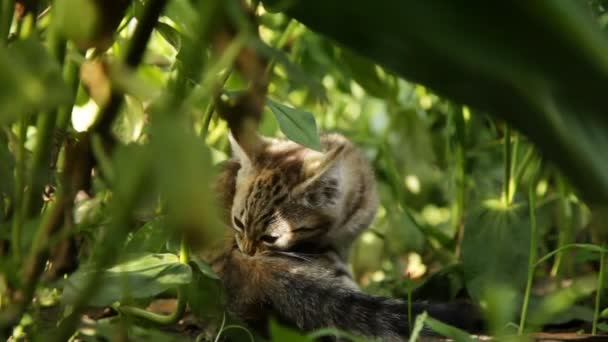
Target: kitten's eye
<point x="269" y="239"/>
<point x="239" y="225"/>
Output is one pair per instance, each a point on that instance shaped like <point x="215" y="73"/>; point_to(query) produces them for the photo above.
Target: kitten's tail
<point x="310" y="298"/>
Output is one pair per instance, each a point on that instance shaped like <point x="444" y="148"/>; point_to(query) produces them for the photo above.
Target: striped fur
<point x="284" y="195"/>
<point x="308" y="296"/>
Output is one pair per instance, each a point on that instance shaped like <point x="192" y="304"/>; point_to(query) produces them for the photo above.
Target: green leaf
<point x="495" y="248"/>
<point x="204" y="268"/>
<point x="448" y="330"/>
<point x="418" y="325"/>
<point x="31" y="80"/>
<point x="139" y="277"/>
<point x="206" y="295"/>
<point x="602" y="326"/>
<point x="562" y="300"/>
<point x="150" y="238"/>
<point x="298" y="125"/>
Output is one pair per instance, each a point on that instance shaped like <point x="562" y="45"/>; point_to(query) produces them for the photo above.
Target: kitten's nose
<point x="248" y="247"/>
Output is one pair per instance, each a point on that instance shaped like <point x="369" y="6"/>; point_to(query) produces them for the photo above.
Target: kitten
<point x="308" y="296"/>
<point x="284" y="197"/>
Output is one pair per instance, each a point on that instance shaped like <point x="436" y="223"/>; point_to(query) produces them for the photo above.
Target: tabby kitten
<point x="286" y="197"/>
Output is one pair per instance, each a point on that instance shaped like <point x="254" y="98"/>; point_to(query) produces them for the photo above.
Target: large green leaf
<point x="31" y="80"/>
<point x="139" y="277"/>
<point x="298" y="125"/>
<point x="495" y="248"/>
<point x="540" y="65"/>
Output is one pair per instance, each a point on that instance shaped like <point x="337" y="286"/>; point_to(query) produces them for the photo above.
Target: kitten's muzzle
<point x="246" y="246"/>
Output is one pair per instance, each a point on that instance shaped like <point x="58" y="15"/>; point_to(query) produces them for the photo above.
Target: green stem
<point x="409" y="304"/>
<point x="598" y="293"/>
<point x="507" y="157"/>
<point x="512" y="171"/>
<point x="19" y="188"/>
<point x="588" y="247"/>
<point x="6" y="19"/>
<point x="211" y="107"/>
<point x="71" y="76"/>
<point x="531" y="259"/>
<point x="521" y="168"/>
<point x="564" y="225"/>
<point x="104" y="162"/>
<point x="459" y="178"/>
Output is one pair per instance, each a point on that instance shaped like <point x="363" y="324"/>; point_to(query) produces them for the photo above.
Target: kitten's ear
<point x="324" y="166"/>
<point x="245" y="149"/>
<point x="237" y="151"/>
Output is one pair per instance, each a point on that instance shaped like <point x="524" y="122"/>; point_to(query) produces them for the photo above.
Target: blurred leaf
<point x="31" y="80"/>
<point x="183" y="14"/>
<point x="171" y="35"/>
<point x="562" y="300"/>
<point x="138" y="277"/>
<point x="298" y="125"/>
<point x="495" y="248"/>
<point x="90" y="23"/>
<point x="448" y="330"/>
<point x="184" y="174"/>
<point x="501" y="304"/>
<point x="574" y="313"/>
<point x="602" y="326"/>
<point x="537" y="64"/>
<point x="365" y="74"/>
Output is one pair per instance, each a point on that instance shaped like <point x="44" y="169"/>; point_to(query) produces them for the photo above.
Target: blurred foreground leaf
<point x="138" y="277"/>
<point x="540" y="65"/>
<point x="31" y="80"/>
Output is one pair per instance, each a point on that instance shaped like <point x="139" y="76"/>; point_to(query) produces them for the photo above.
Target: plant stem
<point x="531" y="259"/>
<point x="133" y="57"/>
<point x="211" y="106"/>
<point x="19" y="188"/>
<point x="512" y="171"/>
<point x="129" y="193"/>
<point x="507" y="158"/>
<point x="71" y="76"/>
<point x="459" y="177"/>
<point x="6" y="19"/>
<point x="598" y="293"/>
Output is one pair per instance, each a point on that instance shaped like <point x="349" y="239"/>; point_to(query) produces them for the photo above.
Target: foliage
<point x="495" y="190"/>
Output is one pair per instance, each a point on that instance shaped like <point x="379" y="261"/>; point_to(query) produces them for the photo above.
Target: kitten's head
<point x="286" y="194"/>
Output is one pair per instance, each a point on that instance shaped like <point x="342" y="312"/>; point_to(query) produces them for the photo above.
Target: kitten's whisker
<point x="294" y="255"/>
